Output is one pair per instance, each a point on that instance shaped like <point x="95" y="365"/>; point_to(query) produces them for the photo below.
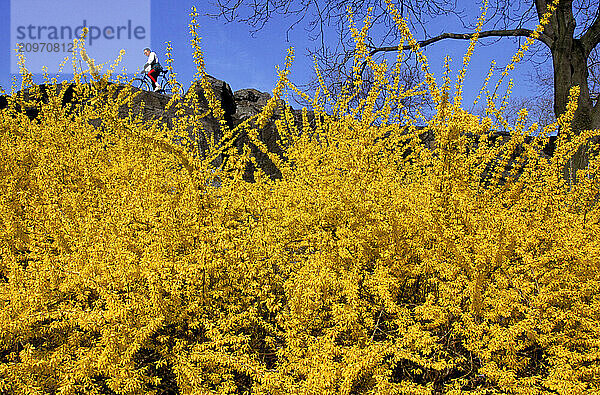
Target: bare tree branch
<point x="467" y="36"/>
<point x="591" y="37"/>
<point x="462" y="36"/>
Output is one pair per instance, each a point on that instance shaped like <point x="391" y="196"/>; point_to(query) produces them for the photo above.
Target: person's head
<point x="147" y="51"/>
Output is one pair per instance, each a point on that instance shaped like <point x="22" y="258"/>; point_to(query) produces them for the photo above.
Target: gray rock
<point x="249" y="103"/>
<point x="222" y="92"/>
<point x="152" y="106"/>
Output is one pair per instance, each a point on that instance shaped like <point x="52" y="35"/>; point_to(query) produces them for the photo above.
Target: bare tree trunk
<point x="570" y="69"/>
<point x="569" y="58"/>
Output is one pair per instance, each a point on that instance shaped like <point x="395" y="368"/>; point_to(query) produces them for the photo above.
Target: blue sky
<point x="232" y="54"/>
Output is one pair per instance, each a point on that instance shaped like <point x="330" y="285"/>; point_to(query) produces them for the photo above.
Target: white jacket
<point x="152" y="60"/>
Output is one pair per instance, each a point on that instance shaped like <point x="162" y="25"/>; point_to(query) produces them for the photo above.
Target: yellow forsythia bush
<point x="131" y="265"/>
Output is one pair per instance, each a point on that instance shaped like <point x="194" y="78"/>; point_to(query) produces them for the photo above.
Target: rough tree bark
<point x="570" y="61"/>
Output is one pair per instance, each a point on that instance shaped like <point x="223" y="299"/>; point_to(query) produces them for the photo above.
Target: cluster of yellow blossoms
<point x="376" y="264"/>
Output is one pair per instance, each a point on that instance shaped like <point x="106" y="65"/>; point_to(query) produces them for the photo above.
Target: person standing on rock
<point x="152" y="67"/>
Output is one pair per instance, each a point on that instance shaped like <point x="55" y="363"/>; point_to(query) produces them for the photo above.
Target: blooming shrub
<point x="375" y="265"/>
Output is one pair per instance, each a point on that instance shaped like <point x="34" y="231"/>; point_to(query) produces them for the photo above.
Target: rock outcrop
<point x="237" y="108"/>
<point x="32" y="112"/>
<point x="250" y="102"/>
<point x="3" y="102"/>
